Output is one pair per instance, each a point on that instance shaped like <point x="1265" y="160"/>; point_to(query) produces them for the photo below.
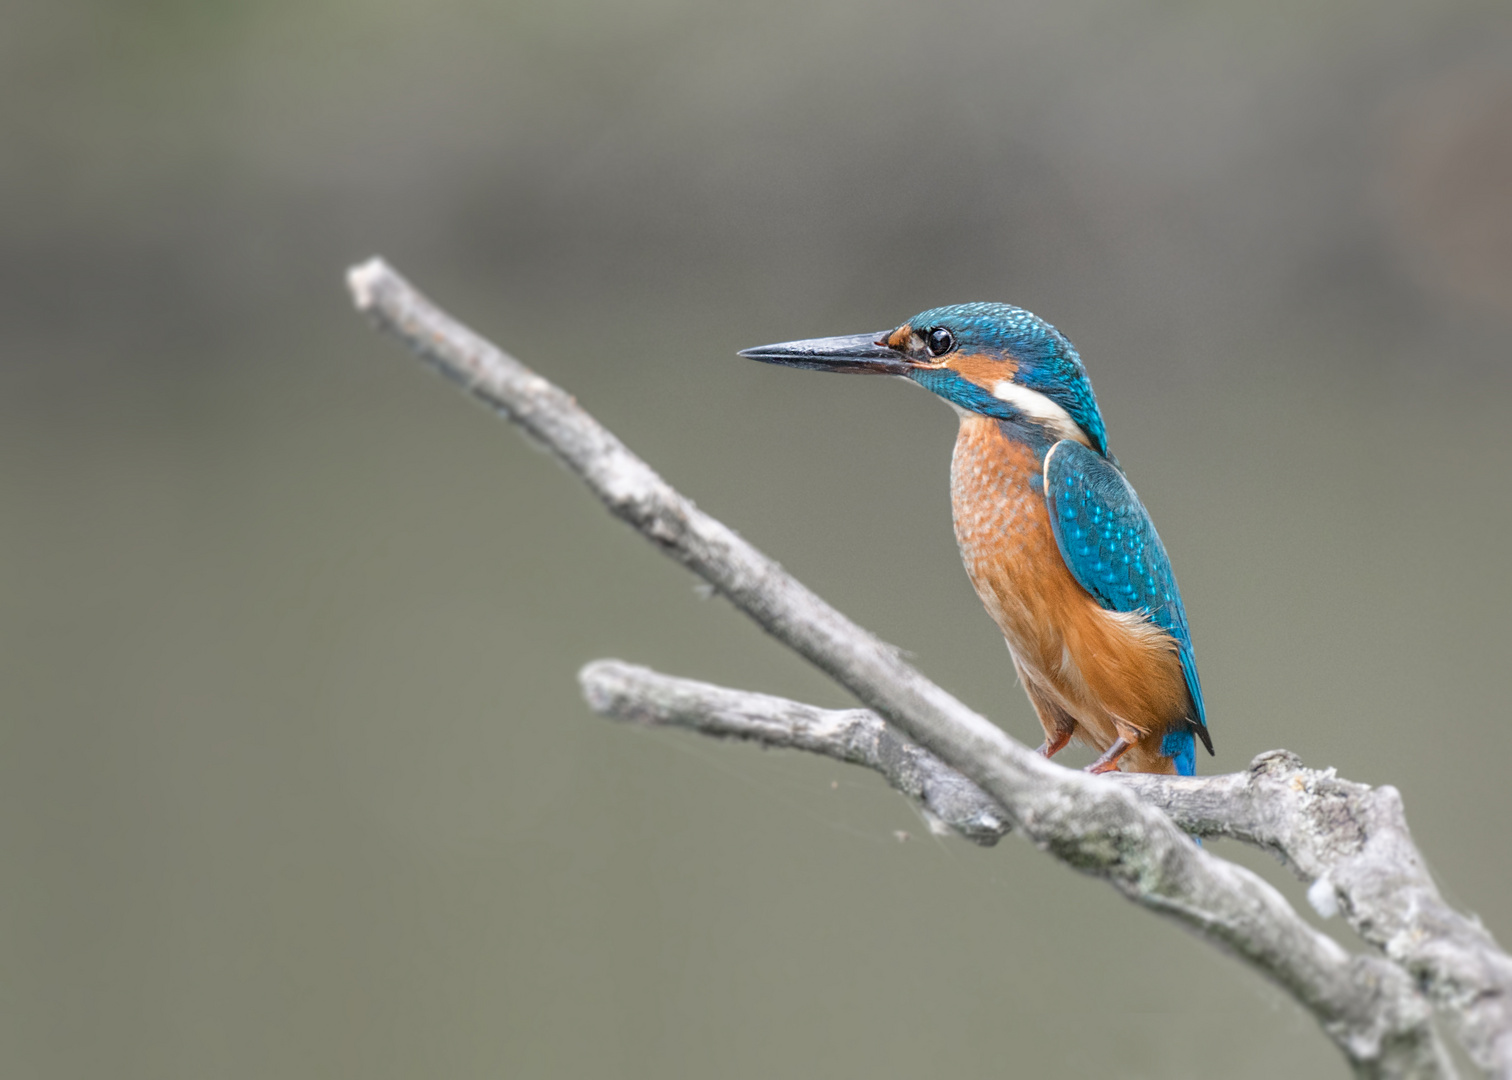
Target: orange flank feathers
<point x="1092" y="674"/>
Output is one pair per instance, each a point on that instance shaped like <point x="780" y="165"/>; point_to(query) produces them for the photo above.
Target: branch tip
<point x="363" y="281"/>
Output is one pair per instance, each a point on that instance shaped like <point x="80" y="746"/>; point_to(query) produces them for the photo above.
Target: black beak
<point x="857" y="354"/>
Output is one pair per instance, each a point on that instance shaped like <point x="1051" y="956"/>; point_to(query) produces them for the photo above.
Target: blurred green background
<point x="294" y="777"/>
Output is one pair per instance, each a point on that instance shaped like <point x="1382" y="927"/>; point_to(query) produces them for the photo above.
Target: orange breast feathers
<point x="1090" y="673"/>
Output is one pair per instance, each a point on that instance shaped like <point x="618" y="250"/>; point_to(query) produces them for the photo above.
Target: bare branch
<point x="855" y="736"/>
<point x="1351" y="843"/>
<point x="1348" y="841"/>
<point x="1367" y="1005"/>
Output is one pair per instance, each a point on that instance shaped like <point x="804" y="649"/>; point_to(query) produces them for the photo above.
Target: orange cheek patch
<point x="986" y="371"/>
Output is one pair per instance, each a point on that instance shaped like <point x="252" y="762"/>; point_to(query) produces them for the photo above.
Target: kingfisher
<point x="1060" y="550"/>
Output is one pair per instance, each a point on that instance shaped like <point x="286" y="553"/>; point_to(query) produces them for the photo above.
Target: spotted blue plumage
<point x="1110" y="546"/>
<point x="1047" y="361"/>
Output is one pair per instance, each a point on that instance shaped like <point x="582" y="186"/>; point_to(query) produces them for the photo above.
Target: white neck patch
<point x="1038" y="407"/>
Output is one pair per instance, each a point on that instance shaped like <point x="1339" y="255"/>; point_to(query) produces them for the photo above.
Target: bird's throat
<point x="1028" y="415"/>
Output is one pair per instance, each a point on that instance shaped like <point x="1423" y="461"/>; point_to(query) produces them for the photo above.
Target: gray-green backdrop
<point x="294" y="779"/>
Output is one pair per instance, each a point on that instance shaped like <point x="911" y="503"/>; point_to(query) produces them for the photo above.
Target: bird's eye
<point x="941" y="341"/>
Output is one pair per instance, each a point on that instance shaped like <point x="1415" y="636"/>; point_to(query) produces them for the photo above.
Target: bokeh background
<point x="294" y="777"/>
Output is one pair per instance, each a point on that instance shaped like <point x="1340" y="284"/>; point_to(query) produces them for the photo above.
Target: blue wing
<point x="1111" y="547"/>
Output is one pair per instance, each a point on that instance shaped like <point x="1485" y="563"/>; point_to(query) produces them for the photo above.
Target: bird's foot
<point x="1109" y="760"/>
<point x="1054" y="745"/>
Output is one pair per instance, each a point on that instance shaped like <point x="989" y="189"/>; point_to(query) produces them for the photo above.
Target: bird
<point x="1057" y="545"/>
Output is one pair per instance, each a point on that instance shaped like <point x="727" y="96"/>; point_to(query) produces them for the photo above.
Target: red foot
<point x="1051" y="747"/>
<point x="1109" y="761"/>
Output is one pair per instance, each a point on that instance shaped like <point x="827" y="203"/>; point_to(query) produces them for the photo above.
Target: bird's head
<point x="994" y="359"/>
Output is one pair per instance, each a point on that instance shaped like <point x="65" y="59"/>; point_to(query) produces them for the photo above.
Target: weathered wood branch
<point x="855" y="736"/>
<point x="1349" y="842"/>
<point x="1366" y="1004"/>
